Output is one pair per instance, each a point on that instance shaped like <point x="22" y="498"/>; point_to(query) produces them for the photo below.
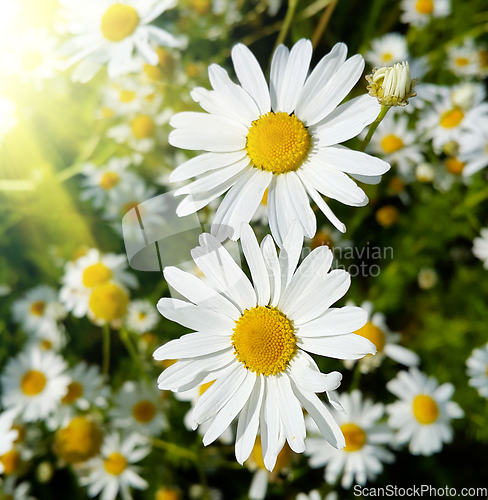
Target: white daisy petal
<point x="334" y="322"/>
<point x="277" y="74"/>
<point x="191" y="345"/>
<point x="273" y="267"/>
<point x="348" y="346"/>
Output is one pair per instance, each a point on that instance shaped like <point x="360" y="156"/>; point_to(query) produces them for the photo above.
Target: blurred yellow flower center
<point x="33" y="383"/>
<point x="396" y="185"/>
<point x="96" y="275"/>
<point x="143" y="127"/>
<point x="424" y="6"/>
<point x="37" y="308"/>
<point x="201" y="7"/>
<point x="75" y="391"/>
<point x="119" y="22"/>
<point x="452" y="118"/>
<point x="46" y="345"/>
<point x="391" y="143"/>
<point x="461" y="61"/>
<point x="10" y="462"/>
<point x="425" y="409"/>
<point x="355" y="437"/>
<point x="115" y="464"/>
<point x="79" y="441"/>
<point x="373" y="334"/>
<point x="109" y="180"/>
<point x="107" y="112"/>
<point x="144" y="411"/>
<point x="278" y="142"/>
<point x="31" y="60"/>
<point x="164" y="494"/>
<point x="141" y="316"/>
<point x="283" y="460"/>
<point x="386" y="57"/>
<point x="454" y="166"/>
<point x="387" y="216"/>
<point x="204" y="387"/>
<point x="166" y="63"/>
<point x="127" y="96"/>
<point x="264" y="340"/>
<point x="109" y="302"/>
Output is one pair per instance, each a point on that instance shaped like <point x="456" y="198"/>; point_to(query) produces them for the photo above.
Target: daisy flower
<point x="376" y="330"/>
<point x="108" y="32"/>
<point x="473" y="152"/>
<point x="480" y="247"/>
<point x="39" y="310"/>
<point x="33" y="384"/>
<point x="478" y="370"/>
<point x="315" y="495"/>
<point x="138" y="407"/>
<point x="8" y="435"/>
<point x="464" y="60"/>
<point x="364" y="454"/>
<point x="418" y="13"/>
<point x="387" y="50"/>
<point x="253" y="341"/>
<point x="142" y="316"/>
<point x="423" y="412"/>
<point x="88" y="274"/>
<point x="283" y="138"/>
<point x="427" y="278"/>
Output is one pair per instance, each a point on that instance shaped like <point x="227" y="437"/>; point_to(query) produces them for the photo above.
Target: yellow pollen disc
<point x="31" y="60"/>
<point x="143" y="412"/>
<point x="424" y="6"/>
<point x="283" y="460"/>
<point x="79" y="441"/>
<point x="37" y="308"/>
<point x="452" y="118"/>
<point x="141" y="316"/>
<point x="386" y="57"/>
<point x="355" y="437"/>
<point x="165" y="494"/>
<point x="278" y="143"/>
<point x="109" y="180"/>
<point x="96" y="275"/>
<point x="10" y="462"/>
<point x="107" y="112"/>
<point x="127" y="96"/>
<point x="33" y="383"/>
<point x="264" y="340"/>
<point x="75" y="391"/>
<point x="143" y="127"/>
<point x="201" y="7"/>
<point x="391" y="143"/>
<point x="109" y="302"/>
<point x="425" y="409"/>
<point x="461" y="61"/>
<point x="204" y="387"/>
<point x="373" y="334"/>
<point x="387" y="216"/>
<point x="153" y="72"/>
<point x="115" y="464"/>
<point x="454" y="166"/>
<point x="119" y="22"/>
<point x="321" y="239"/>
<point x="46" y="345"/>
<point x="396" y="185"/>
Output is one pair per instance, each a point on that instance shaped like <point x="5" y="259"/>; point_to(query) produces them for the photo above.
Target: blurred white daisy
<point x="15" y="491"/>
<point x="253" y="341"/>
<point x="364" y="454"/>
<point x="387" y="50"/>
<point x="418" y="13"/>
<point x="376" y="330"/>
<point x="283" y="138"/>
<point x="8" y="117"/>
<point x="138" y="407"/>
<point x="464" y="60"/>
<point x="315" y="495"/>
<point x="8" y="435"/>
<point x="480" y="247"/>
<point x="478" y="370"/>
<point x="49" y="338"/>
<point x="111" y="32"/>
<point x="100" y="183"/>
<point x="142" y="316"/>
<point x="423" y="413"/>
<point x="113" y="472"/>
<point x="33" y="384"/>
<point x="427" y="278"/>
<point x="473" y="152"/>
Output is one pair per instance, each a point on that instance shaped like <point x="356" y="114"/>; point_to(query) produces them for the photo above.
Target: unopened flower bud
<point x="392" y="85"/>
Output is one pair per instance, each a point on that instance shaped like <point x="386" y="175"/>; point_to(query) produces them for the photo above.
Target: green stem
<point x="124" y="336"/>
<point x="290" y="13"/>
<point x="324" y="21"/>
<point x="106" y="349"/>
<point x="374" y="126"/>
<point x="356" y="377"/>
<point x="175" y="449"/>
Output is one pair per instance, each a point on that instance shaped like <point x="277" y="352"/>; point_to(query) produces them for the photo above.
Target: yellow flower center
<point x="373" y="334"/>
<point x="33" y="383"/>
<point x="75" y="391"/>
<point x="461" y="61"/>
<point x="386" y="57"/>
<point x="454" y="166"/>
<point x="166" y="64"/>
<point x="10" y="462"/>
<point x="204" y="387"/>
<point x="201" y="7"/>
<point x="143" y="412"/>
<point x="355" y="437"/>
<point x="96" y="275"/>
<point x="452" y="118"/>
<point x="79" y="441"/>
<point x="321" y="239"/>
<point x="424" y="6"/>
<point x="143" y="127"/>
<point x="396" y="185"/>
<point x="391" y="143"/>
<point x="165" y="494"/>
<point x="46" y="345"/>
<point x="425" y="409"/>
<point x="278" y="142"/>
<point x="107" y="112"/>
<point x="115" y="464"/>
<point x="387" y="216"/>
<point x="264" y="340"/>
<point x="31" y="60"/>
<point x="127" y="96"/>
<point x="283" y="460"/>
<point x="109" y="180"/>
<point x="119" y="22"/>
<point x="109" y="302"/>
<point x="37" y="308"/>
